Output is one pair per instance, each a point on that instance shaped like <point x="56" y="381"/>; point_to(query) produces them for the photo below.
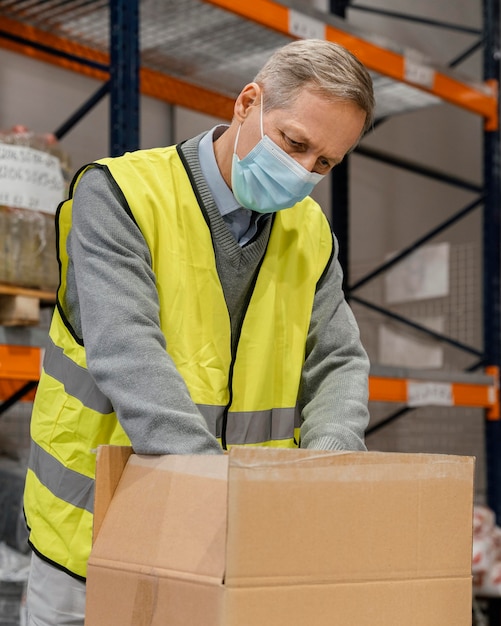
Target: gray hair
<point x="331" y="70"/>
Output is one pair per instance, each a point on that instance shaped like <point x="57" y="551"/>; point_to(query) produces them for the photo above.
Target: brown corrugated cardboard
<point x="282" y="537"/>
<point x="111" y="463"/>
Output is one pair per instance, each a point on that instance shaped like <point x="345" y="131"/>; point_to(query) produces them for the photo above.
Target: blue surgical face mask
<point x="268" y="179"/>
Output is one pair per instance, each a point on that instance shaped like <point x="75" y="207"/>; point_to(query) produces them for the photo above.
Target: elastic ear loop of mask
<point x="261" y="124"/>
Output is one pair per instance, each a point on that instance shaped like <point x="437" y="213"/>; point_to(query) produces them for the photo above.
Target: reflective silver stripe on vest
<point x="213" y="416"/>
<point x="245" y="427"/>
<point x="252" y="427"/>
<point x="64" y="483"/>
<point x="77" y="380"/>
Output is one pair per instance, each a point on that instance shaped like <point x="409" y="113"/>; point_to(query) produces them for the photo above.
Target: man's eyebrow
<point x="300" y="136"/>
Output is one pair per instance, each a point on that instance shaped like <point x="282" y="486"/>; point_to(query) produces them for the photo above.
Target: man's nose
<point x="308" y="161"/>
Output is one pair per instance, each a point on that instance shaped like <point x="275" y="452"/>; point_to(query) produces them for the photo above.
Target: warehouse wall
<point x="390" y="208"/>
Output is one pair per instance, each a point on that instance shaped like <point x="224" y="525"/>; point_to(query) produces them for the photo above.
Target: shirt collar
<point x="222" y="194"/>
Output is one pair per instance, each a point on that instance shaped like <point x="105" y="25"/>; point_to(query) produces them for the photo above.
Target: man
<point x="200" y="305"/>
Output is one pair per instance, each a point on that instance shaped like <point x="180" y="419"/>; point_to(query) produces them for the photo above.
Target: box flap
<point x="167" y="516"/>
<point x="306" y="515"/>
<point x="110" y="464"/>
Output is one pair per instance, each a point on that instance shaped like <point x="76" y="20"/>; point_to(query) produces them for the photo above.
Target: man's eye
<point x="294" y="144"/>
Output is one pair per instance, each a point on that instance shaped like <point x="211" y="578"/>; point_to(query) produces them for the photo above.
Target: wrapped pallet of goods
<point x="34" y="175"/>
<point x="486" y="560"/>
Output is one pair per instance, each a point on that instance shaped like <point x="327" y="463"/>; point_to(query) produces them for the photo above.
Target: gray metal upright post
<point x="124" y="76"/>
<point x="339" y="181"/>
<point x="492" y="255"/>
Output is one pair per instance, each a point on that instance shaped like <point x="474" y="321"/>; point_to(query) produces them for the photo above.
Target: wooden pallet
<point x="20" y="306"/>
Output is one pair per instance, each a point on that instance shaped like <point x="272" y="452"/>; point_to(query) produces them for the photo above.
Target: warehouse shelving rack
<point x="99" y="38"/>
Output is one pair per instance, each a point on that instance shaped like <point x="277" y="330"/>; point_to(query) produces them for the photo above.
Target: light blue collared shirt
<point x="243" y="223"/>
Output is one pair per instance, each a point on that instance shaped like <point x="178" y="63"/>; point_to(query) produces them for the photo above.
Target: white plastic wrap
<point x="486" y="558"/>
<point x="14" y="569"/>
<point x="34" y="175"/>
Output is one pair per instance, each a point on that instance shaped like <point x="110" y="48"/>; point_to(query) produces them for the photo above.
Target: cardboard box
<point x="282" y="538"/>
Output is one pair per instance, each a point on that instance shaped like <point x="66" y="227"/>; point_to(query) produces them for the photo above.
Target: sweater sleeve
<point x="333" y="397"/>
<point x="116" y="305"/>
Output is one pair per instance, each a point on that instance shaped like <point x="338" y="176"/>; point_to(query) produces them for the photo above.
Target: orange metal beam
<point x="37" y="36"/>
<point x="9" y="387"/>
<point x="382" y="389"/>
<point x="18" y="365"/>
<point x="152" y="83"/>
<point x="263" y="12"/>
<point x="494" y="412"/>
<point x="465" y="394"/>
<point x="175" y="91"/>
<point x="20" y="362"/>
<point x="387" y="389"/>
<point x="386" y="62"/>
<point x="271" y="15"/>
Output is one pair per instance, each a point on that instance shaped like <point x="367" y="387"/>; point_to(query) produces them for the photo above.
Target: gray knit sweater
<point x="112" y="304"/>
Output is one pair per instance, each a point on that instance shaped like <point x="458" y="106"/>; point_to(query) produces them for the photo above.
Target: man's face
<point x="316" y="132"/>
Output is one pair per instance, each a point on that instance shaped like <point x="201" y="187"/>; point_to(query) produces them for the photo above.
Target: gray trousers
<point x="53" y="598"/>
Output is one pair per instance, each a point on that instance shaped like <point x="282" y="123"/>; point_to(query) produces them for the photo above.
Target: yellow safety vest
<point x="247" y="398"/>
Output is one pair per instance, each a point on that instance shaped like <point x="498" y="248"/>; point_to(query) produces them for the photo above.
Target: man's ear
<point x="249" y="97"/>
